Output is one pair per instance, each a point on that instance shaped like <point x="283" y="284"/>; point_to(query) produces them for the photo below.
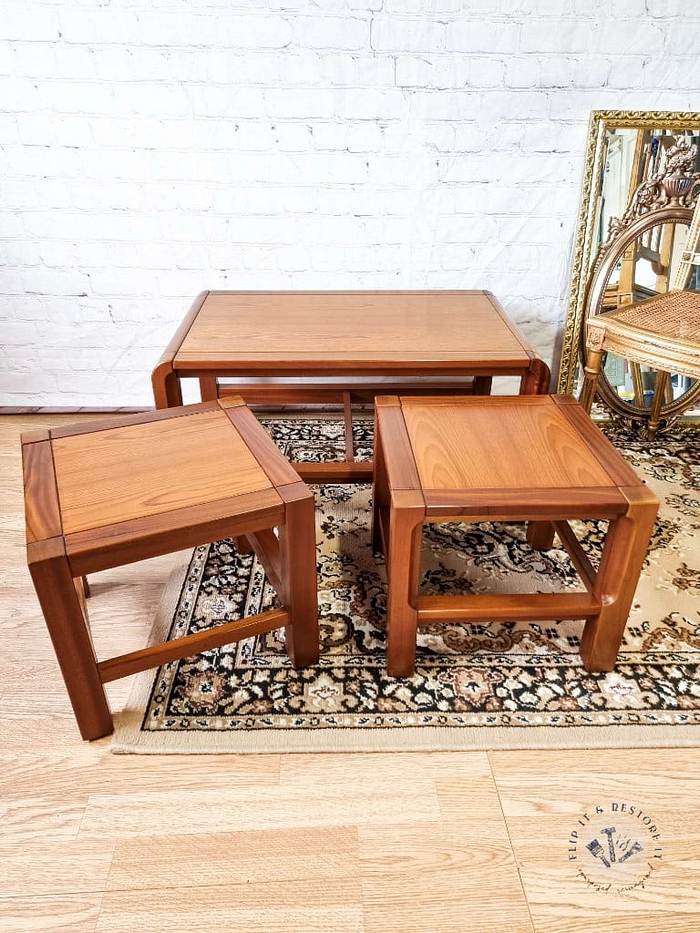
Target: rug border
<point x="129" y="738"/>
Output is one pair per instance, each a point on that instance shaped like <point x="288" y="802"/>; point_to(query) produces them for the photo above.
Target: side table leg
<point x="403" y="572"/>
<point x="624" y="551"/>
<point x="298" y="565"/>
<point x="64" y="619"/>
<point x="482" y="385"/>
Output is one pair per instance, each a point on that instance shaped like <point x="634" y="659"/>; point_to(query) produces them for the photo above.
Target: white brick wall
<point x="153" y="148"/>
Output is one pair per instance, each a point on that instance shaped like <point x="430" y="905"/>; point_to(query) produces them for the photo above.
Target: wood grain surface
<point x="115" y="476"/>
<point x="447" y="329"/>
<point x="491" y="443"/>
<point x="465" y="841"/>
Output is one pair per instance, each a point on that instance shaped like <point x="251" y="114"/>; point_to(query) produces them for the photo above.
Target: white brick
<point x="680" y="36"/>
<point x="567" y="37"/>
<point x="332" y="135"/>
<point x="368" y="104"/>
<point x="481" y="36"/>
<point x="407" y="35"/>
<point x="523" y="72"/>
<point x="33" y="59"/>
<point x="316" y="102"/>
<point x="326" y="32"/>
<point x="23" y="22"/>
<point x="413" y="72"/>
<point x="364" y="137"/>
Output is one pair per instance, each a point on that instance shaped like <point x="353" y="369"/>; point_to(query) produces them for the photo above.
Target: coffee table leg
<point x="167" y="392"/>
<point x="540" y="535"/>
<point x="242" y="544"/>
<point x="60" y="604"/>
<point x="380" y="491"/>
<point x="403" y="573"/>
<point x="208" y="388"/>
<point x="624" y="551"/>
<point x="536" y="380"/>
<point x="298" y="565"/>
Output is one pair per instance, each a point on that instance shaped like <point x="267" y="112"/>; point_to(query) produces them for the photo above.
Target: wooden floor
<point x="464" y="842"/>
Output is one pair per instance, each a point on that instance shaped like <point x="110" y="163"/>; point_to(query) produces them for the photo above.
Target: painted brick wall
<point x="152" y="148"/>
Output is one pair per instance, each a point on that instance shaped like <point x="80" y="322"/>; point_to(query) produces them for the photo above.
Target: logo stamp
<point x="615" y="847"/>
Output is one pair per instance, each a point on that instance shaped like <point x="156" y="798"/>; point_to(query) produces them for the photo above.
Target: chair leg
<point x="403" y="571"/>
<point x="591" y="372"/>
<point x="60" y="604"/>
<point x="298" y="566"/>
<point x="657" y="403"/>
<point x="624" y="551"/>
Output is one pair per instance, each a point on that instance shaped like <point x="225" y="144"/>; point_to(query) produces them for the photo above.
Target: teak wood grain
<point x="377" y="330"/>
<point x="127" y="473"/>
<point x="498" y="444"/>
<point x="109" y="494"/>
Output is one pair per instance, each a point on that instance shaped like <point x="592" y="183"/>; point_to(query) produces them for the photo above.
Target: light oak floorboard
<point x="446" y="877"/>
<point x="407" y="842"/>
<point x="237" y="858"/>
<point x="41" y="868"/>
<point x="70" y="913"/>
<point x="120" y="815"/>
<point x="308" y="906"/>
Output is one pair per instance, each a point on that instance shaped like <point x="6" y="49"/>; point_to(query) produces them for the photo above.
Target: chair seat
<point x="662" y="333"/>
<point x="675" y="315"/>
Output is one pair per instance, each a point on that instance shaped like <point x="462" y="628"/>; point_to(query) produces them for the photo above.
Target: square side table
<point x="107" y="493"/>
<point x="537" y="459"/>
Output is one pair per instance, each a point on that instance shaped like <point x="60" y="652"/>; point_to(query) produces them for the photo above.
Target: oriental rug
<point x="506" y="685"/>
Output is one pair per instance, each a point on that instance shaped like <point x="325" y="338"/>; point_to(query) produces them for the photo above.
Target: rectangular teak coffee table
<point x="415" y="339"/>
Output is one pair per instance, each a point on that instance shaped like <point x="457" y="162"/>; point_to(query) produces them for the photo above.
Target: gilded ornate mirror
<point x="641" y="182"/>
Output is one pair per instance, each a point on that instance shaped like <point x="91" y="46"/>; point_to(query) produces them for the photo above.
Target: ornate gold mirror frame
<point x="589" y="254"/>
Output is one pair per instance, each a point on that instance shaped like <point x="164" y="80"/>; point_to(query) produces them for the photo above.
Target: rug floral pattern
<point x="507" y="675"/>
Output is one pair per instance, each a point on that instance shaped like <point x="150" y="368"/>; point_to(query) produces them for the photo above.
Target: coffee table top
<point x="100" y="483"/>
<point x="382" y="330"/>
<point x="508" y="451"/>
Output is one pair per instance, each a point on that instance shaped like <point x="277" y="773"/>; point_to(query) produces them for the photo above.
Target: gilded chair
<point x="662" y="333"/>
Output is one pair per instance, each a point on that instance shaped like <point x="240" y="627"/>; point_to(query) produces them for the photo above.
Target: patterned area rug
<point x="510" y="685"/>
